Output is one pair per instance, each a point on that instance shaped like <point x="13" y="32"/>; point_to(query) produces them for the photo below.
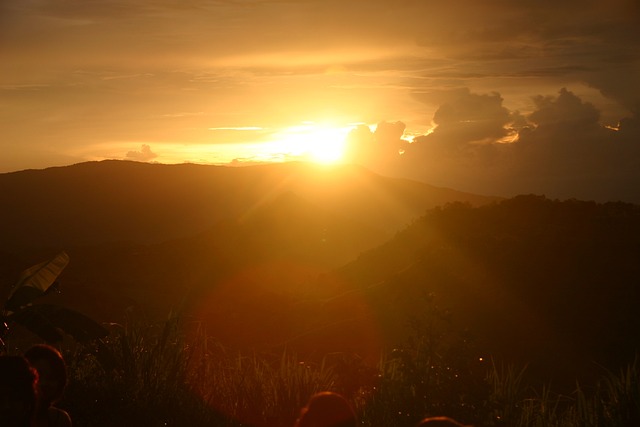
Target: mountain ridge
<point x="111" y="200"/>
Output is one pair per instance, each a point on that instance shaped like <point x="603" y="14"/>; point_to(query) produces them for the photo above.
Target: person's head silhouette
<point x="327" y="409"/>
<point x="18" y="391"/>
<point x="439" y="422"/>
<point x="52" y="372"/>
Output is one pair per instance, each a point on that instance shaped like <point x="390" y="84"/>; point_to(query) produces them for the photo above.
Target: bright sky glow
<point x="465" y="90"/>
<point x="321" y="143"/>
<point x="308" y="141"/>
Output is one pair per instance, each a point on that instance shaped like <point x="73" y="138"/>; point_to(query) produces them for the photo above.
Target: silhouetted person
<point x="18" y="391"/>
<point x="327" y="409"/>
<point x="439" y="422"/>
<point x="52" y="373"/>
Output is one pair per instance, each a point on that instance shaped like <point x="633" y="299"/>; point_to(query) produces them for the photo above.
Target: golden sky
<point x="498" y="96"/>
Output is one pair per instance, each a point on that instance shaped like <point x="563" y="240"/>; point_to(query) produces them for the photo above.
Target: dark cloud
<point x="565" y="110"/>
<point x="378" y="149"/>
<point x="144" y="155"/>
<point x="471" y="118"/>
<point x="464" y="143"/>
<point x="560" y="149"/>
<point x="570" y="154"/>
<point x="620" y="82"/>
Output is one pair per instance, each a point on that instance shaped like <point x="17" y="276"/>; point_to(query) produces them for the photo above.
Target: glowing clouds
<point x="144" y="155"/>
<point x="376" y="149"/>
<point x="471" y="118"/>
<point x="559" y="149"/>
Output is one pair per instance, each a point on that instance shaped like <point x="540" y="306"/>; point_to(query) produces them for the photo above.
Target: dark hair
<point x="439" y="422"/>
<point x="18" y="383"/>
<point x="51" y="355"/>
<point x="327" y="409"/>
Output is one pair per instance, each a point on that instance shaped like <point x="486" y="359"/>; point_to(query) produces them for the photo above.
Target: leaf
<point x="47" y="320"/>
<point x="35" y="282"/>
<point x="37" y="323"/>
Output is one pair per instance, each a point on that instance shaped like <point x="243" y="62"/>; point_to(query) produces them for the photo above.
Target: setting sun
<point x="317" y="142"/>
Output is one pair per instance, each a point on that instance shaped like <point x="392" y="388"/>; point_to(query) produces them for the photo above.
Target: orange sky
<point x="214" y="81"/>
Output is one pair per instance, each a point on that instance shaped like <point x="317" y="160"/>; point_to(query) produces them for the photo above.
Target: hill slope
<point x="157" y="236"/>
<point x="554" y="284"/>
<point x="250" y="252"/>
<point x="111" y="201"/>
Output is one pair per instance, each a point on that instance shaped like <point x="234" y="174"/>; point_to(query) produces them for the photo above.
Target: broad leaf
<point x="35" y="282"/>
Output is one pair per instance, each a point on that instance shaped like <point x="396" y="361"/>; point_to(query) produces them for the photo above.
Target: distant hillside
<point x="112" y="201"/>
<point x="526" y="280"/>
<point x="285" y="242"/>
<point x="553" y="283"/>
<point x="156" y="237"/>
<point x="280" y="256"/>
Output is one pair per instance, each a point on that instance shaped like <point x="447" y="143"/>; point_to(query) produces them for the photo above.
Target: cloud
<point x="619" y="81"/>
<point x="560" y="149"/>
<point x="463" y="148"/>
<point x="378" y="149"/>
<point x="566" y="110"/>
<point x="464" y="66"/>
<point x="144" y="155"/>
<point x="568" y="153"/>
<point x="471" y="118"/>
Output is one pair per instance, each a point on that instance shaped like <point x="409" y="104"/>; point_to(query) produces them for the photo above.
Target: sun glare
<point x="309" y="141"/>
<point x="312" y="141"/>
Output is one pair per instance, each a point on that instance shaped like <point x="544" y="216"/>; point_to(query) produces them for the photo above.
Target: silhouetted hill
<point x="283" y="243"/>
<point x="157" y="237"/>
<point x="111" y="201"/>
<point x="531" y="280"/>
<point x="249" y="252"/>
<point x="526" y="280"/>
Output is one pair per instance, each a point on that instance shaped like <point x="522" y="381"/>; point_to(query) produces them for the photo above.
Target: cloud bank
<point x="560" y="149"/>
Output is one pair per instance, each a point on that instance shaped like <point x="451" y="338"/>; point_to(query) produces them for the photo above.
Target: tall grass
<point x="616" y="401"/>
<point x="175" y="375"/>
<point x="144" y="376"/>
<point x="141" y="376"/>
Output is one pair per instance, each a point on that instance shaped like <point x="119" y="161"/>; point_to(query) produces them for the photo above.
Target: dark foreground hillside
<point x="552" y="284"/>
<point x="530" y="280"/>
<point x="430" y="322"/>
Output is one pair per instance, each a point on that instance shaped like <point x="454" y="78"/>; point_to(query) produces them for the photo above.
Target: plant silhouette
<point x="45" y="320"/>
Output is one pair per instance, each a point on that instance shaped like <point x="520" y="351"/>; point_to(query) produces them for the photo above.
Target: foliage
<point x="525" y="275"/>
<point x="142" y="376"/>
<point x="176" y="375"/>
<point x="48" y="321"/>
<point x="436" y="371"/>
